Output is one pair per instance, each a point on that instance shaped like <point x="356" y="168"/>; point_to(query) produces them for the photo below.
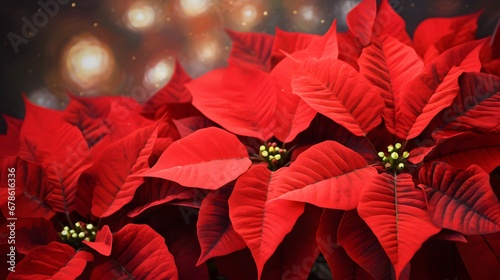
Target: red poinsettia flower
<point x="409" y="119"/>
<point x="77" y="165"/>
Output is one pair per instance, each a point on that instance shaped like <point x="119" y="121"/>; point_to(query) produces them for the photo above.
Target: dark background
<point x="37" y="63"/>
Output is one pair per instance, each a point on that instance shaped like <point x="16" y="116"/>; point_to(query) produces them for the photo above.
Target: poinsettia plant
<point x="368" y="149"/>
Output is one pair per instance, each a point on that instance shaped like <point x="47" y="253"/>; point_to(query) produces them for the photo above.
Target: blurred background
<point x="52" y="48"/>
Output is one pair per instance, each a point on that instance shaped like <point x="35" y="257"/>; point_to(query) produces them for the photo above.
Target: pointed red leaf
<point x="460" y="200"/>
<point x="434" y="89"/>
<point x="327" y="175"/>
<point x="363" y="247"/>
<point x="53" y="261"/>
<point x="189" y="125"/>
<point x="298" y="249"/>
<point x="481" y="255"/>
<point x="292" y="114"/>
<point x="9" y="142"/>
<point x="389" y="22"/>
<point x="341" y="265"/>
<point x="30" y="190"/>
<point x="117" y="165"/>
<point x="155" y="192"/>
<point x="442" y="34"/>
<point x="360" y="21"/>
<point x="450" y="235"/>
<point x="208" y="159"/>
<point x="349" y="49"/>
<point x="250" y="49"/>
<point x="243" y="102"/>
<point x="173" y="92"/>
<point x="103" y="120"/>
<point x="388" y="64"/>
<point x="474" y="108"/>
<point x="262" y="223"/>
<point x="323" y="128"/>
<point x="61" y="151"/>
<point x="324" y="47"/>
<point x="215" y="231"/>
<point x="138" y="252"/>
<point x="466" y="149"/>
<point x="103" y="241"/>
<point x="336" y="90"/>
<point x="32" y="233"/>
<point x="289" y="42"/>
<point x="396" y="213"/>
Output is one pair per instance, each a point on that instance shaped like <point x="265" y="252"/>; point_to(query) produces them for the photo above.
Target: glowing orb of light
<point x="43" y="97"/>
<point x="208" y="50"/>
<point x="158" y="74"/>
<point x="249" y="15"/>
<point x="308" y="13"/>
<point x="194" y="7"/>
<point x="140" y="16"/>
<point x="87" y="62"/>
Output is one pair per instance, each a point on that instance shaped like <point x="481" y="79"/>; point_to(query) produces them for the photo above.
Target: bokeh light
<point x="87" y="62"/>
<point x="140" y="15"/>
<point x="208" y="50"/>
<point x="158" y="73"/>
<point x="308" y="17"/>
<point x="193" y="8"/>
<point x="42" y="96"/>
<point x="245" y="15"/>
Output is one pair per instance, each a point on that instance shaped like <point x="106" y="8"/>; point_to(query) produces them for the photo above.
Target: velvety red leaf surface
<point x="466" y="149"/>
<point x="397" y="214"/>
<point x="360" y="21"/>
<point x="262" y="223"/>
<point x="32" y="233"/>
<point x="155" y="192"/>
<point x="341" y="265"/>
<point x="104" y="120"/>
<point x="336" y="90"/>
<point x="481" y="255"/>
<point x="103" y="241"/>
<point x="474" y="108"/>
<point x="460" y="200"/>
<point x="29" y="193"/>
<point x="323" y="128"/>
<point x="214" y="229"/>
<point x="173" y="92"/>
<point x="139" y="252"/>
<point x="292" y="114"/>
<point x="209" y="158"/>
<point x="298" y="252"/>
<point x="188" y="125"/>
<point x="363" y="247"/>
<point x="433" y="36"/>
<point x="250" y="49"/>
<point x="288" y="42"/>
<point x="450" y="235"/>
<point x="324" y="47"/>
<point x="388" y="64"/>
<point x="434" y="89"/>
<point x="327" y="175"/>
<point x="389" y="22"/>
<point x="9" y="142"/>
<point x="44" y="135"/>
<point x="293" y="259"/>
<point x="116" y="185"/>
<point x="244" y="103"/>
<point x="52" y="261"/>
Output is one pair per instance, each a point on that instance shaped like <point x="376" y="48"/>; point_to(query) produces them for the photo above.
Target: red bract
<point x="367" y="147"/>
